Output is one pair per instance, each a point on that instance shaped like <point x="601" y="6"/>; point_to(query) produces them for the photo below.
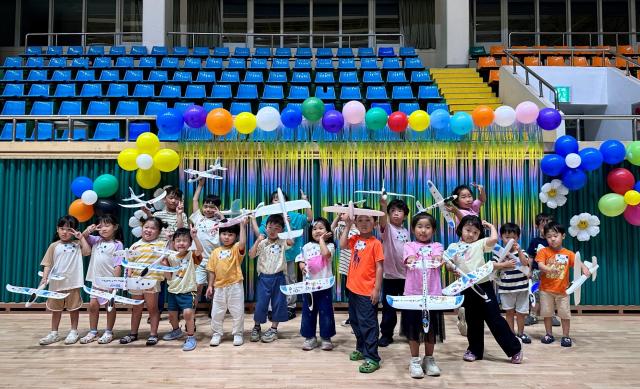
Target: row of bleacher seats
<point x="221" y="52"/>
<point x="555" y="60"/>
<point x="497" y="51"/>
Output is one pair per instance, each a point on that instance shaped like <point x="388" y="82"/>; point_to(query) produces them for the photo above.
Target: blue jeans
<point x="268" y="291"/>
<point x="322" y="307"/>
<point x="364" y="323"/>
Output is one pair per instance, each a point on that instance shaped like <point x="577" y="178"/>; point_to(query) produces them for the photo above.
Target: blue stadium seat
<point x="57" y="62"/>
<point x="39" y="90"/>
<point x="280" y="64"/>
<point x="273" y="92"/>
<point x="42" y="108"/>
<point x="118" y="90"/>
<point x="346" y="64"/>
<point x="182" y="106"/>
<point x="229" y="77"/>
<point x="155" y="107"/>
<point x="350" y="93"/>
<point x="203" y="76"/>
<point x="348" y="78"/>
<point x="238" y="107"/>
<point x="262" y="52"/>
<point x="182" y="77"/>
<point x="304" y="52"/>
<point x="81" y="62"/>
<point x="258" y="64"/>
<point x="209" y="106"/>
<point x="413" y="64"/>
<point x="74" y="51"/>
<point x="138" y="51"/>
<point x="86" y="75"/>
<point x="107" y="132"/>
<point x="135" y="129"/>
<point x="201" y="51"/>
<point x="301" y="78"/>
<point x="325" y="78"/>
<point x="164" y="137"/>
<point x="329" y="107"/>
<point x="324" y="64"/>
<point x="124" y="62"/>
<point x="61" y="75"/>
<point x="213" y="63"/>
<point x="366" y="52"/>
<point x="109" y="75"/>
<point x="277" y="78"/>
<point x="14" y="108"/>
<point x="170" y="91"/>
<point x="13" y="62"/>
<point x="428" y="92"/>
<point x="158" y="76"/>
<point x="402" y="92"/>
<point x="7" y="131"/>
<point x="101" y="62"/>
<point x="78" y="134"/>
<point x="143" y="90"/>
<point x="147" y="62"/>
<point x="254" y="78"/>
<point x="302" y="64"/>
<point x="13" y="90"/>
<point x="54" y="50"/>
<point x="391" y="63"/>
<point x="396" y="77"/>
<point x="221" y="52"/>
<point x="181" y="51"/>
<point x="70" y="108"/>
<point x="192" y="63"/>
<point x="42" y="131"/>
<point x="376" y="93"/>
<point x="283" y="52"/>
<point x="169" y="63"/>
<point x="127" y="108"/>
<point x="408" y="108"/>
<point x="372" y="77"/>
<point x="221" y="92"/>
<point x="247" y="92"/>
<point x="420" y="77"/>
<point x="325" y="93"/>
<point x="242" y="52"/>
<point x="386" y="52"/>
<point x="37" y="75"/>
<point x="345" y="52"/>
<point x="406" y="52"/>
<point x="297" y="92"/>
<point x="33" y="50"/>
<point x="65" y="90"/>
<point x="237" y="64"/>
<point x="95" y="50"/>
<point x="35" y="62"/>
<point x="195" y="92"/>
<point x="159" y="50"/>
<point x="435" y="106"/>
<point x="133" y="75"/>
<point x="324" y="52"/>
<point x="91" y="90"/>
<point x="12" y="75"/>
<point x="99" y="108"/>
<point x="385" y="106"/>
<point x="368" y="64"/>
<point x="267" y="104"/>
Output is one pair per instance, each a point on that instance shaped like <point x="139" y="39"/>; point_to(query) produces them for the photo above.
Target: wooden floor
<point x="605" y="355"/>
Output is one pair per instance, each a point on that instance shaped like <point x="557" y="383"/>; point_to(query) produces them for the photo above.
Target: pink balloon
<point x="632" y="214"/>
<point x="527" y="112"/>
<point x="353" y="112"/>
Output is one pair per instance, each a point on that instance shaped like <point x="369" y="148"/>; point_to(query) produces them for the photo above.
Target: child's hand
<point x="289" y="242"/>
<point x="383" y="201"/>
<point x="146" y="210"/>
<point x="326" y="236"/>
<point x="209" y="292"/>
<point x="516" y="246"/>
<point x="375" y="295"/>
<point x="194" y="233"/>
<point x="201" y="181"/>
<point x="180" y="208"/>
<point x="510" y="264"/>
<point x="77" y="234"/>
<point x="261" y="237"/>
<point x="477" y="186"/>
<point x="486" y="224"/>
<point x="585" y="271"/>
<point x="303" y="195"/>
<point x="43" y="281"/>
<point x="168" y="234"/>
<point x="449" y="207"/>
<point x="90" y="229"/>
<point x="165" y="262"/>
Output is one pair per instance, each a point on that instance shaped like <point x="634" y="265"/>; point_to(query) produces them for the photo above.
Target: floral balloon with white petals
<point x="584" y="226"/>
<point x="554" y="193"/>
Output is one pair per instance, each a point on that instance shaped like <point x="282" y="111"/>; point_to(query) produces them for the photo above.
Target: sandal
<point x="356" y="356"/>
<point x="369" y="366"/>
<point x="128" y="338"/>
<point x="107" y="337"/>
<point x="152" y="340"/>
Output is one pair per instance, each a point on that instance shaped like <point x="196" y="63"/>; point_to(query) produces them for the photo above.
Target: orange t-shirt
<point x="365" y="252"/>
<point x="556" y="280"/>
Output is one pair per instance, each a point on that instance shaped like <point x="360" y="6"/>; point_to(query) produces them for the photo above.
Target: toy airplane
<point x="196" y="174"/>
<point x="466" y="281"/>
<point x="579" y="278"/>
<point x="440" y="203"/>
<point x="150" y="267"/>
<point x="111" y="297"/>
<point x="139" y="203"/>
<point x="352" y="211"/>
<point x="383" y="192"/>
<point x="308" y="286"/>
<point x="235" y="209"/>
<point x="533" y="288"/>
<point x="282" y="207"/>
<point x="501" y="254"/>
<point x="244" y="213"/>
<point x="115" y="283"/>
<point x="34" y="293"/>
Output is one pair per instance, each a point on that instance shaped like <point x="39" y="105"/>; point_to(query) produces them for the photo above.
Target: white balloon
<point x="144" y="161"/>
<point x="137" y="232"/>
<point x="268" y="119"/>
<point x="505" y="116"/>
<point x="89" y="197"/>
<point x="139" y="214"/>
<point x="134" y="222"/>
<point x="573" y="160"/>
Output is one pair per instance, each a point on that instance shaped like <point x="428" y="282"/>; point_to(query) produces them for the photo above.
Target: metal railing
<point x="541" y="81"/>
<point x="70" y="121"/>
<point x="52" y="37"/>
<point x="635" y="119"/>
<point x="566" y="36"/>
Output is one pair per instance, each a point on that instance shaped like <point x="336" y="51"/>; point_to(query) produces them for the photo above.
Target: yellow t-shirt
<point x="225" y="263"/>
<point x="146" y="255"/>
<point x="184" y="280"/>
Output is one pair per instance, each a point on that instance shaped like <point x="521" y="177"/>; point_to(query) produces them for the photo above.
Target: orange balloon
<point x="219" y="121"/>
<point x="80" y="210"/>
<point x="482" y="116"/>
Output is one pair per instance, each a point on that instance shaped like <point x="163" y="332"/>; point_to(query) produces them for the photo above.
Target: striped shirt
<point x="146" y="255"/>
<point x="512" y="281"/>
<point x="344" y="254"/>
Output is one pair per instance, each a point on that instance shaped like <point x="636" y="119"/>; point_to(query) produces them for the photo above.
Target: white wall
<point x="457" y="31"/>
<point x="157" y="20"/>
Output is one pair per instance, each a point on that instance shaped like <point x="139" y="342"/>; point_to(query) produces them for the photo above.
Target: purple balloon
<point x="195" y="116"/>
<point x="549" y="119"/>
<point x="333" y="121"/>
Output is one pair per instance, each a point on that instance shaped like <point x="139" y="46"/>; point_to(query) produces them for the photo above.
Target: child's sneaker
<point x="238" y="340"/>
<point x="565" y="341"/>
<point x="530" y="320"/>
<point x="309" y="344"/>
<point x="346" y="323"/>
<point x="215" y="340"/>
<point x="415" y="370"/>
<point x="52" y="337"/>
<point x="547" y="339"/>
<point x="356" y="356"/>
<point x="106" y="338"/>
<point x="189" y="343"/>
<point x="326" y="344"/>
<point x="369" y="366"/>
<point x="89" y="337"/>
<point x="555" y="321"/>
<point x="255" y="334"/>
<point x="462" y="322"/>
<point x="430" y="367"/>
<point x="270" y="335"/>
<point x="72" y="337"/>
<point x="469" y="356"/>
<point x="173" y="335"/>
<point x="524" y="338"/>
<point x="517" y="359"/>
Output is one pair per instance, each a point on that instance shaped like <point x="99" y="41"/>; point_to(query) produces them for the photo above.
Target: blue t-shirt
<point x="532" y="250"/>
<point x="298" y="222"/>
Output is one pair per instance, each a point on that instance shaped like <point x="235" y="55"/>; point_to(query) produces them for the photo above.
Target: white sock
<point x="72" y="331"/>
<point x="54" y="332"/>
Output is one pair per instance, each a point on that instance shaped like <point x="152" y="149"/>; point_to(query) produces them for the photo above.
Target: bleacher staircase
<point x="464" y="89"/>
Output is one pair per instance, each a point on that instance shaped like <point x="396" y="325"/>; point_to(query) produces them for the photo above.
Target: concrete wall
<point x="157" y="20"/>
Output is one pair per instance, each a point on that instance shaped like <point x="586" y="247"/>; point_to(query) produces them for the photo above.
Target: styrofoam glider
<point x="115" y="283"/>
<point x="466" y="280"/>
<point x="500" y="254"/>
<point x="383" y="192"/>
<point x="579" y="278"/>
<point x="235" y="209"/>
<point x="440" y="202"/>
<point x="308" y="286"/>
<point x="352" y="211"/>
<point x="282" y="207"/>
<point x="138" y="202"/>
<point x="111" y="297"/>
<point x="244" y="213"/>
<point x="208" y="173"/>
<point x="153" y="267"/>
<point x="35" y="293"/>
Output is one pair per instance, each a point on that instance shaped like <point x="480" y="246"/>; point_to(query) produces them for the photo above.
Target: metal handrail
<point x="564" y="34"/>
<point x="541" y="81"/>
<point x="83" y="36"/>
<point x="635" y="119"/>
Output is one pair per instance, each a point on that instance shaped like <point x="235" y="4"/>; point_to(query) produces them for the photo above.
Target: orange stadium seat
<point x="494" y="77"/>
<point x="600" y="62"/>
<point x="496" y="51"/>
<point x="532" y="61"/>
<point x="487" y="63"/>
<point x="504" y="61"/>
<point x="579" y="61"/>
<point x="625" y="50"/>
<point x="555" y="61"/>
<point x="622" y="64"/>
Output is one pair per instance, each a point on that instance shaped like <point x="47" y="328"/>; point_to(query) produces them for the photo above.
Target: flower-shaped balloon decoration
<point x="148" y="159"/>
<point x="136" y="221"/>
<point x="625" y="199"/>
<point x="571" y="164"/>
<point x="554" y="194"/>
<point x="584" y="226"/>
<point x="92" y="196"/>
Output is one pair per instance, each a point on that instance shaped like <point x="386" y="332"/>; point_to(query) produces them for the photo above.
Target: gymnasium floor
<point x="605" y="355"/>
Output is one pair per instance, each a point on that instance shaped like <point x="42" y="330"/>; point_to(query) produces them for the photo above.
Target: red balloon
<point x="620" y="180"/>
<point x="398" y="121"/>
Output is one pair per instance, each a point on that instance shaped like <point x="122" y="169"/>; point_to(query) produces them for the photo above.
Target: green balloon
<point x="612" y="204"/>
<point x="105" y="185"/>
<point x="312" y="109"/>
<point x="376" y="118"/>
<point x="633" y="153"/>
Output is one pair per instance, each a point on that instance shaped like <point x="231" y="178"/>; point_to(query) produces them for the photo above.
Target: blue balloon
<point x="613" y="151"/>
<point x="553" y="165"/>
<point x="291" y="117"/>
<point x="440" y="119"/>
<point x="591" y="159"/>
<point x="566" y="145"/>
<point x="636" y="187"/>
<point x="461" y="123"/>
<point x="80" y="184"/>
<point x="170" y="121"/>
<point x="574" y="179"/>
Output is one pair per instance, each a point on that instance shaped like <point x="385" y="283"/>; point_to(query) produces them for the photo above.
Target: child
<point x="182" y="285"/>
<point x="150" y="240"/>
<point x="541" y="220"/>
<point x="393" y="235"/>
<point x="173" y="214"/>
<point x="337" y="226"/>
<point x="271" y="264"/>
<point x="423" y="252"/>
<point x="472" y="241"/>
<point x="554" y="263"/>
<point x="225" y="274"/>
<point x="364" y="283"/>
<point x="297" y="221"/>
<point x="513" y="285"/>
<point x="103" y="263"/>
<point x="64" y="256"/>
<point x="315" y="262"/>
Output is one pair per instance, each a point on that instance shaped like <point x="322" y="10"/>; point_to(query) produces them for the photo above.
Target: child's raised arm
<point x="253" y="251"/>
<point x="180" y="216"/>
<point x="242" y="239"/>
<point x="308" y="211"/>
<point x="324" y="250"/>
<point x="334" y="223"/>
<point x="85" y="248"/>
<point x="482" y="195"/>
<point x="194" y="236"/>
<point x="254" y="225"/>
<point x="195" y="203"/>
<point x="493" y="238"/>
<point x="453" y="209"/>
<point x="383" y="208"/>
<point x="344" y="238"/>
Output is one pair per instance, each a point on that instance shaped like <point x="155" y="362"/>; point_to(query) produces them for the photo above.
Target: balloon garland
<point x="148" y="160"/>
<point x="90" y="195"/>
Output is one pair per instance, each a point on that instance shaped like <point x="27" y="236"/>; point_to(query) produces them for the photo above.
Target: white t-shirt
<point x="317" y="266"/>
<point x="102" y="260"/>
<point x="271" y="256"/>
<point x="64" y="259"/>
<point x="207" y="234"/>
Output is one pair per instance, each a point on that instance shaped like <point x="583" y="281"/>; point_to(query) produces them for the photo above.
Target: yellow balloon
<point x="148" y="143"/>
<point x="419" y="120"/>
<point x="166" y="160"/>
<point x="632" y="197"/>
<point x="148" y="179"/>
<point x="127" y="159"/>
<point x="245" y="122"/>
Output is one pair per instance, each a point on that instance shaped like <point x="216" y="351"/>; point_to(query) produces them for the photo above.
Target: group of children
<point x="211" y="252"/>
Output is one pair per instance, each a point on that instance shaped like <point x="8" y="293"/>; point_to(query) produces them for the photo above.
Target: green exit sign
<point x="564" y="94"/>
